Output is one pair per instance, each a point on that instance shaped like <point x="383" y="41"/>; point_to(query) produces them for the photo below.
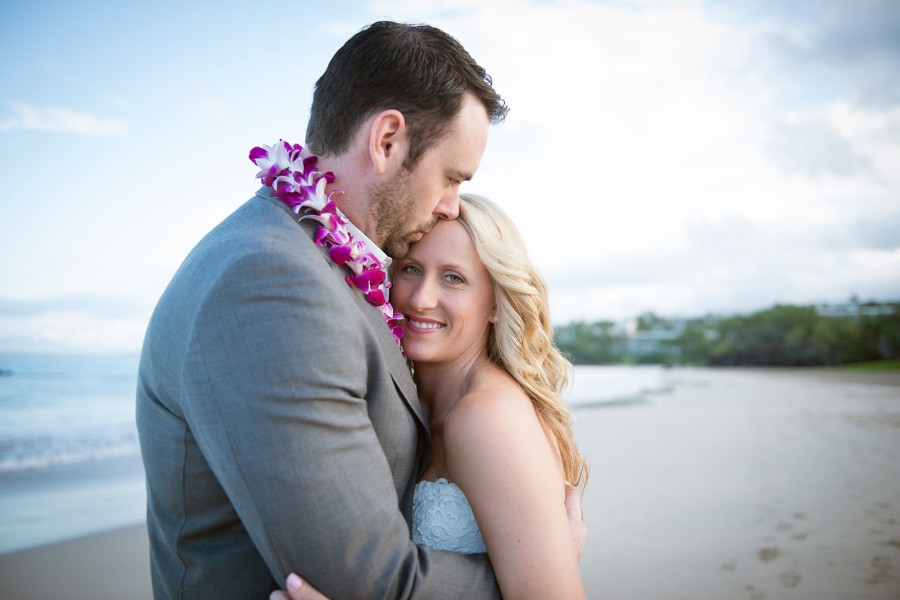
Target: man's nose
<point x="448" y="207"/>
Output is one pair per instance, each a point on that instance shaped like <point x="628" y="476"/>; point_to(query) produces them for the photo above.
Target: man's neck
<point x="352" y="194"/>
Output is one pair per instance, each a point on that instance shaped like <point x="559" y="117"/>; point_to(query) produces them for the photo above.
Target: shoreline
<point x="37" y="506"/>
<point x="732" y="483"/>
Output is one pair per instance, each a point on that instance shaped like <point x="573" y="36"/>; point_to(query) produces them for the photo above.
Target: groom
<point x="279" y="425"/>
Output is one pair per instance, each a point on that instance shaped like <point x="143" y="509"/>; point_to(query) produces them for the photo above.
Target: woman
<point x="477" y="330"/>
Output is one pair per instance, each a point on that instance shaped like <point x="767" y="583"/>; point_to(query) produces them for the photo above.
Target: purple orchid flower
<point x="296" y="182"/>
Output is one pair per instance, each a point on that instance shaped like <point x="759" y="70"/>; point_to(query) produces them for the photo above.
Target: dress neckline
<point x="438" y="481"/>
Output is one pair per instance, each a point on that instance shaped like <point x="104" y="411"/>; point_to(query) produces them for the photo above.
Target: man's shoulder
<point x="258" y="240"/>
<point x="261" y="211"/>
<point x="260" y="225"/>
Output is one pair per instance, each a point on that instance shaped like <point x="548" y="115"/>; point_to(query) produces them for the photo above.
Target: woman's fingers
<point x="297" y="589"/>
<point x="576" y="518"/>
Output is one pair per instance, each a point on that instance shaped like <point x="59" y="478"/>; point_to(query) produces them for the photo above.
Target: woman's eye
<point x="455" y="279"/>
<point x="411" y="270"/>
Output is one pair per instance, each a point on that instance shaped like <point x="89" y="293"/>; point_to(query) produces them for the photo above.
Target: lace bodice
<point x="443" y="519"/>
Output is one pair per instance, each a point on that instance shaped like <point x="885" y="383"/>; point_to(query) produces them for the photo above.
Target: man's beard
<point x="392" y="205"/>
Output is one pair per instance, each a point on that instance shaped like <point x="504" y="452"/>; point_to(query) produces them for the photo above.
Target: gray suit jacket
<point x="280" y="429"/>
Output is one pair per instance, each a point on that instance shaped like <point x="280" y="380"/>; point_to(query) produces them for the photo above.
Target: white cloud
<point x="811" y="147"/>
<point x="875" y="134"/>
<point x="631" y="123"/>
<point x="59" y="120"/>
<point x="71" y="331"/>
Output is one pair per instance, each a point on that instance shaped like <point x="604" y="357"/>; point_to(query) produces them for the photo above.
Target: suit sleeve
<point x="274" y="391"/>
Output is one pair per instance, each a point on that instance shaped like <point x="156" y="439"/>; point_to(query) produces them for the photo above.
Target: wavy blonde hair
<point x="521" y="340"/>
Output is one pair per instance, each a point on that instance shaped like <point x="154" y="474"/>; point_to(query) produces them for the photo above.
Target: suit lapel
<point x="393" y="357"/>
<point x="390" y="350"/>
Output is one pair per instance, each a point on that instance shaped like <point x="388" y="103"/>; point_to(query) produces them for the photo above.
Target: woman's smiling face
<point x="445" y="294"/>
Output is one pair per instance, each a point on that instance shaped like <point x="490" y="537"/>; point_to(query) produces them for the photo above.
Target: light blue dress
<point x="443" y="518"/>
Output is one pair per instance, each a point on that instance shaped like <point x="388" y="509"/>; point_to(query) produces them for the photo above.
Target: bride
<point x="477" y="330"/>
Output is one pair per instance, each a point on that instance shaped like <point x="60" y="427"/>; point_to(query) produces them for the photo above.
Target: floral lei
<point x="295" y="181"/>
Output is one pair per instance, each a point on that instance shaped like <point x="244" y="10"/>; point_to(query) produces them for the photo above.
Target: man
<point x="279" y="426"/>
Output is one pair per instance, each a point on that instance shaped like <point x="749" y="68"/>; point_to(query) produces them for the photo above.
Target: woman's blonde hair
<point x="521" y="339"/>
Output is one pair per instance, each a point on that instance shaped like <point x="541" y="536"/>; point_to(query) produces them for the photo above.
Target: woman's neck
<point x="441" y="385"/>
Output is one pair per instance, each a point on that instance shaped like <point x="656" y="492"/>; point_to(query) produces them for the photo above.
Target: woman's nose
<point x="425" y="295"/>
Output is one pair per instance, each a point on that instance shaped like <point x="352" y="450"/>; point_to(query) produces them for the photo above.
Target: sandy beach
<point x="756" y="484"/>
<point x="730" y="484"/>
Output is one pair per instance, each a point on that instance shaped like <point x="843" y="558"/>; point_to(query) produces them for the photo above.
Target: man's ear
<point x="388" y="142"/>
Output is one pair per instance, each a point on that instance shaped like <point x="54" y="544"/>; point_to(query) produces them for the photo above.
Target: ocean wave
<point x="33" y="453"/>
<point x="617" y="385"/>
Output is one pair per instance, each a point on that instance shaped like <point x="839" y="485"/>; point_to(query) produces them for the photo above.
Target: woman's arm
<point x="498" y="453"/>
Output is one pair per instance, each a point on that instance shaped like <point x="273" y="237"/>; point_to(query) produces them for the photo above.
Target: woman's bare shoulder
<point x="492" y="394"/>
<point x="493" y="413"/>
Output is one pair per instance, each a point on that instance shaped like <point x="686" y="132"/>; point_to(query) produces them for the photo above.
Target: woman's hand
<point x="576" y="518"/>
<point x="297" y="589"/>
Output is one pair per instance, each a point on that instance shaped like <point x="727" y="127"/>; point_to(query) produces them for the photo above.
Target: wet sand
<point x="733" y="484"/>
<point x="112" y="565"/>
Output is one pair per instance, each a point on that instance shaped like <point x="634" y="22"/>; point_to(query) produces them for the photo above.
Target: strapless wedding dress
<point x="443" y="519"/>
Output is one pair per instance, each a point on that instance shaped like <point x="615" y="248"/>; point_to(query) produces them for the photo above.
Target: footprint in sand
<point x="880" y="568"/>
<point x="784" y="526"/>
<point x="769" y="553"/>
<point x="729" y="566"/>
<point x="790" y="579"/>
<point x="755" y="593"/>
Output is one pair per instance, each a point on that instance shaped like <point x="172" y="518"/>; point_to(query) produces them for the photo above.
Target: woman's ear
<point x="388" y="141"/>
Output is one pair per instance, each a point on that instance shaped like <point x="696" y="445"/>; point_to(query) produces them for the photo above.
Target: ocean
<point x="69" y="455"/>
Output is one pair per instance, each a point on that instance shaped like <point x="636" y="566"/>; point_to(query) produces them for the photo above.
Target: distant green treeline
<point x="784" y="335"/>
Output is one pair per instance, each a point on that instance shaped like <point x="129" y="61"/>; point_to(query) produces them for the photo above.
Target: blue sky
<point x="682" y="157"/>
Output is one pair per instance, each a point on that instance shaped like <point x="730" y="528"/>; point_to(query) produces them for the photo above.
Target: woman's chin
<point x="416" y="352"/>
